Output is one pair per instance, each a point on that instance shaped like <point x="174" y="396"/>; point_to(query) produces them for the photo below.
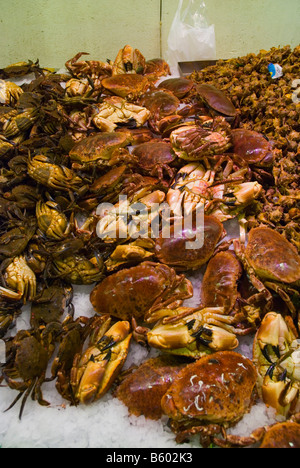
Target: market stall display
<point x="96" y="160"/>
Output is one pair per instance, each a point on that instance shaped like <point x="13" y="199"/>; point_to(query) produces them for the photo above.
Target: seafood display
<point x="121" y="178"/>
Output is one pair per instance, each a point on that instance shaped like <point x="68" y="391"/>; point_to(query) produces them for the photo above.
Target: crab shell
<point x="282" y="435"/>
<point x="219" y="285"/>
<point x="180" y="87"/>
<point x="142" y="390"/>
<point x="216" y="100"/>
<point x="156" y="68"/>
<point x="129" y="86"/>
<point x="252" y="147"/>
<point x="218" y="389"/>
<point x="172" y="250"/>
<point x="99" y="147"/>
<point x="153" y="155"/>
<point x="132" y="292"/>
<point x="272" y="256"/>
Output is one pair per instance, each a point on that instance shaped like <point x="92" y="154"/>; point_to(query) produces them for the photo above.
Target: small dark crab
<point x="27" y="357"/>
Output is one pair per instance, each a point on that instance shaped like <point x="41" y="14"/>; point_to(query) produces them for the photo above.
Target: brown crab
<point x="281" y="435"/>
<point x="164" y="109"/>
<point x="94" y="70"/>
<point x="194" y="142"/>
<point x="271" y="262"/>
<point x="210" y="395"/>
<point x="156" y="68"/>
<point x="173" y="250"/>
<point x="253" y="147"/>
<point x="135" y="292"/>
<point x="129" y="86"/>
<point x="102" y="149"/>
<point x="155" y="158"/>
<point x="143" y="388"/>
<point x="180" y="87"/>
<point x="219" y="287"/>
<point x="216" y="101"/>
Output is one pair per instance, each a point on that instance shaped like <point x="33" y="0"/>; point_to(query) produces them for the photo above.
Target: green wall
<point x="55" y="30"/>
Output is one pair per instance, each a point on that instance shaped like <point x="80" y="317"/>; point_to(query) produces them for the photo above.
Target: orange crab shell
<point x="180" y="87"/>
<point x="272" y="256"/>
<point x="219" y="285"/>
<point x="218" y="388"/>
<point x="126" y="85"/>
<point x="252" y="147"/>
<point x="282" y="435"/>
<point x="142" y="390"/>
<point x="172" y="250"/>
<point x="132" y="292"/>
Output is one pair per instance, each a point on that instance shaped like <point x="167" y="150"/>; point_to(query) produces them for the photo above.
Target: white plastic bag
<point x="191" y="38"/>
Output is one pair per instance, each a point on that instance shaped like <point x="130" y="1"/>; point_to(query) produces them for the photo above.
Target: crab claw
<point x="194" y="333"/>
<point x="94" y="372"/>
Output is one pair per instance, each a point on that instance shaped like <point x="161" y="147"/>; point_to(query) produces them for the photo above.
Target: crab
<point x="281" y="435"/>
<point x="76" y="268"/>
<point x="94" y="372"/>
<point x="58" y="177"/>
<point x="20" y="69"/>
<point x="131" y="254"/>
<point x="19" y="277"/>
<point x="26" y="364"/>
<point x="26" y="196"/>
<point x="194" y="186"/>
<point x="253" y="147"/>
<point x="192" y="332"/>
<point x="210" y="395"/>
<point x="142" y="389"/>
<point x="71" y="337"/>
<point x="101" y="150"/>
<point x="94" y="70"/>
<point x="127" y="86"/>
<point x="276" y="354"/>
<point x="164" y="109"/>
<point x="128" y="60"/>
<point x="219" y="287"/>
<point x="115" y="111"/>
<point x="14" y="241"/>
<point x="9" y="92"/>
<point x="216" y="101"/>
<point x="180" y="87"/>
<point x="51" y="220"/>
<point x="155" y="158"/>
<point x="194" y="142"/>
<point x="50" y="304"/>
<point x="137" y="291"/>
<point x="10" y="310"/>
<point x="132" y="217"/>
<point x="156" y="68"/>
<point x="173" y="250"/>
<point x="272" y="263"/>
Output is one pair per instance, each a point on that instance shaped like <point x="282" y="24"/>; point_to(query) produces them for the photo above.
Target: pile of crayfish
<point x="120" y="135"/>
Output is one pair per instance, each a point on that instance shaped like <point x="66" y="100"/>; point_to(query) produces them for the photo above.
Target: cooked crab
<point x="139" y="290"/>
<point x="272" y="263"/>
<point x="210" y="395"/>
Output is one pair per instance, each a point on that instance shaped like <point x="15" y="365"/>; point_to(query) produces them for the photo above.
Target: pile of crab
<point x="120" y="134"/>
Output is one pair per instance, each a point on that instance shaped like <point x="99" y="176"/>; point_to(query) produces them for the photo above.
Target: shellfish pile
<point x="95" y="163"/>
